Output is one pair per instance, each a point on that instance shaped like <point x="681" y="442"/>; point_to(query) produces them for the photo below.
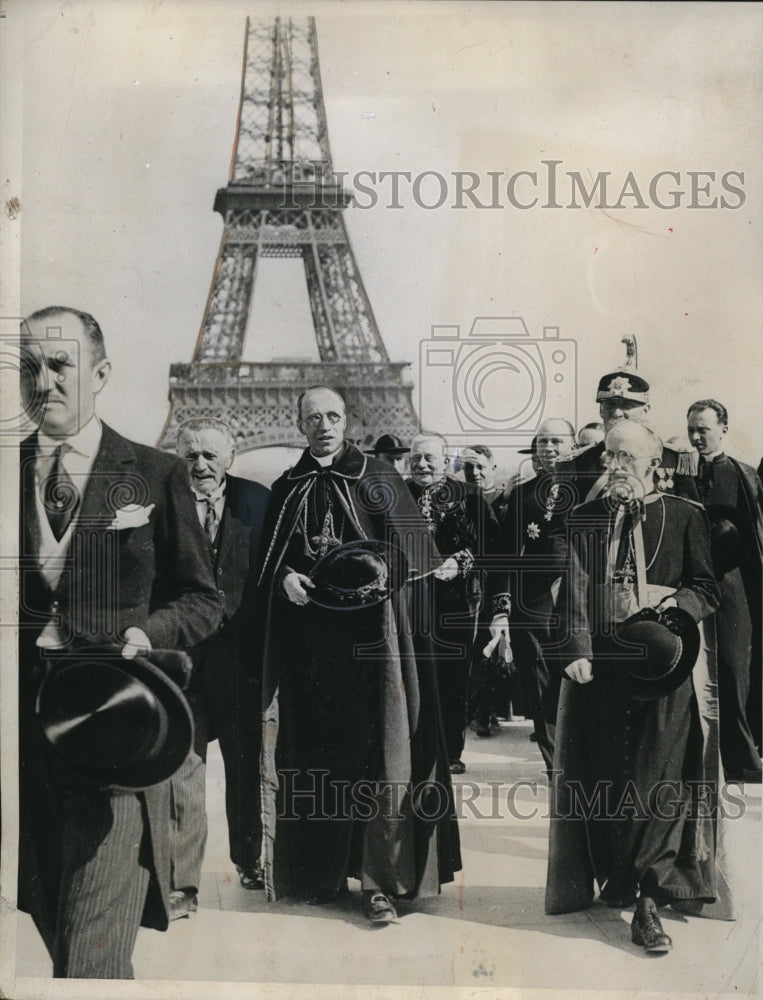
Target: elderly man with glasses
<point x="634" y="794"/>
<point x="355" y="778"/>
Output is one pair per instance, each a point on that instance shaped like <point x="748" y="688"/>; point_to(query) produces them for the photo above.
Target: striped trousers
<point x="188" y="823"/>
<point x="104" y="882"/>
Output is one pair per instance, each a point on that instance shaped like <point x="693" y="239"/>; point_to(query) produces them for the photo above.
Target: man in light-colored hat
<point x="645" y="839"/>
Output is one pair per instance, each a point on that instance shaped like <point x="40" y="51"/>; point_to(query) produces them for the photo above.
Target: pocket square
<point x="131" y="516"/>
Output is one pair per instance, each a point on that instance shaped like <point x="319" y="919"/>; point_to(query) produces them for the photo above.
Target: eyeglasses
<point x="622" y="457"/>
<point x="316" y="419"/>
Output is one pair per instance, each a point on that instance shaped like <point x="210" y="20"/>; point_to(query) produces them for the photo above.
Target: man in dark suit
<point x="110" y="551"/>
<point x="528" y="537"/>
<point x="225" y="690"/>
<point x="621" y="395"/>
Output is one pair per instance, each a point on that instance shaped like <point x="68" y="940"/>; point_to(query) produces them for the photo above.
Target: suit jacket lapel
<point x="30" y="535"/>
<point x="112" y="483"/>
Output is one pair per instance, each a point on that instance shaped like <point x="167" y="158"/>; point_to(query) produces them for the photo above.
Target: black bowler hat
<point x="730" y="537"/>
<point x="623" y="385"/>
<point x="388" y="444"/>
<point x="669" y="642"/>
<point x="117" y="723"/>
<point x="358" y="574"/>
<point x="532" y="450"/>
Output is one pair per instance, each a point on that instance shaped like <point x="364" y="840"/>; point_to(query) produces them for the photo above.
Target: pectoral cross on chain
<point x="326" y="540"/>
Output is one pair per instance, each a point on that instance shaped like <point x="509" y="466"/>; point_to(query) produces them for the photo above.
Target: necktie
<point x="211" y="520"/>
<point x="60" y="496"/>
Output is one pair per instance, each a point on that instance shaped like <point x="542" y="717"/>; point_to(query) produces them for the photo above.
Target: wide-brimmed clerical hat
<point x="666" y="646"/>
<point x="532" y="450"/>
<point x="730" y="537"/>
<point x="388" y="444"/>
<point x="116" y="723"/>
<point x="357" y="575"/>
<point x="623" y="385"/>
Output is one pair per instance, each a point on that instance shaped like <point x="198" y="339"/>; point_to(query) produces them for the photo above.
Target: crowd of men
<point x="339" y="632"/>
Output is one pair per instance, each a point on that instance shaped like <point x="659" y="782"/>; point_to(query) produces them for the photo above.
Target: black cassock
<point x="463" y="525"/>
<point x="355" y="775"/>
<point x="634" y="796"/>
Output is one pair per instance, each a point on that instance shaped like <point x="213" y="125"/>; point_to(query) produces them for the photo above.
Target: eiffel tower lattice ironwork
<point x="283" y="200"/>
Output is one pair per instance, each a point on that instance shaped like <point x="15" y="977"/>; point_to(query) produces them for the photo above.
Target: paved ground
<point x="486" y="932"/>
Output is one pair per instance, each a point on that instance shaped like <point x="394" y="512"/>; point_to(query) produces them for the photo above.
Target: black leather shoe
<point x="378" y="908"/>
<point x="457" y="767"/>
<point x="183" y="902"/>
<point x="646" y="928"/>
<point x="251" y="878"/>
<point x="320" y="897"/>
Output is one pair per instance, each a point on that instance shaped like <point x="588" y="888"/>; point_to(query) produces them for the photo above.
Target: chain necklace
<point x="627" y="572"/>
<point x="318" y="545"/>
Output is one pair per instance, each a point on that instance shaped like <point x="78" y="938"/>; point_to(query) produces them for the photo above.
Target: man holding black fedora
<point x="353" y="753"/>
<point x="636" y="767"/>
<point x="113" y="570"/>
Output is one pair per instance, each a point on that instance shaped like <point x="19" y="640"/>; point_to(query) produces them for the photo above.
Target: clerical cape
<point x="355" y="775"/>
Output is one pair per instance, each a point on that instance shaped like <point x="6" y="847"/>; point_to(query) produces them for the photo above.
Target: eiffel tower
<point x="282" y="200"/>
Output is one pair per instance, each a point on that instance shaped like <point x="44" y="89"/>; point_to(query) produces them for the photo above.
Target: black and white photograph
<point x="382" y="517"/>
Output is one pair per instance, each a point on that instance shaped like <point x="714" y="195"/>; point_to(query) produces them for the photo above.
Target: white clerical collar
<point x="85" y="442"/>
<point x="325" y="460"/>
<point x="217" y="494"/>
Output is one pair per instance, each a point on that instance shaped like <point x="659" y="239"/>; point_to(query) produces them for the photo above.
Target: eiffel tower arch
<point x="282" y="200"/>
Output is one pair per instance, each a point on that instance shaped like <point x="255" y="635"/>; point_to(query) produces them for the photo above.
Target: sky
<point x="127" y="124"/>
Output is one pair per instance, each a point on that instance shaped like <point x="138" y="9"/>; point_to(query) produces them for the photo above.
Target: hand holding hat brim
<point x="116" y="723"/>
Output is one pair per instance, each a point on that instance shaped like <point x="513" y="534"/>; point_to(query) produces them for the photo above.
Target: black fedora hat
<point x="669" y="646"/>
<point x="116" y="723"/>
<point x="357" y="575"/>
<point x="730" y="537"/>
<point x="388" y="444"/>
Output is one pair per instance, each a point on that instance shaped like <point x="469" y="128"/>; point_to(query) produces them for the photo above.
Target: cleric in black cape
<point x="350" y="693"/>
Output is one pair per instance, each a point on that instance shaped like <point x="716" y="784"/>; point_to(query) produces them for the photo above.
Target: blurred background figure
<point x="590" y="434"/>
<point x="389" y="448"/>
<point x="480" y="470"/>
